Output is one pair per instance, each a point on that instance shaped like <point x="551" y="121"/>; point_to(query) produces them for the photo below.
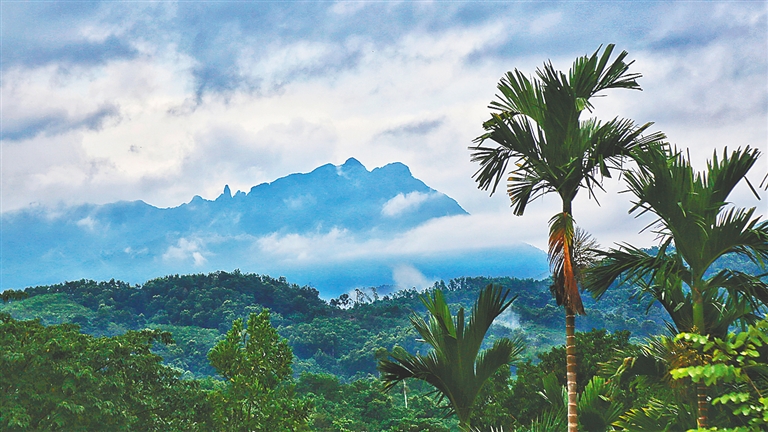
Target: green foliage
<point x="598" y="406"/>
<point x="592" y="349"/>
<point x="190" y="352"/>
<point x="657" y="415"/>
<point x="536" y="124"/>
<point x="209" y="301"/>
<point x="492" y="406"/>
<point x="665" y="366"/>
<point x="258" y="395"/>
<point x="740" y="359"/>
<point x="50" y="309"/>
<point x="56" y="378"/>
<point x="692" y="213"/>
<point x="362" y="405"/>
<point x="455" y="367"/>
<point x="10" y="295"/>
<point x="348" y="342"/>
<point x="357" y="333"/>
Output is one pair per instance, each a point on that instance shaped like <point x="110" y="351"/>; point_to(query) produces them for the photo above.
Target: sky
<point x="160" y="101"/>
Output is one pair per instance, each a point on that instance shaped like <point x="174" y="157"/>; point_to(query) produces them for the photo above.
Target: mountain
<point x="283" y="227"/>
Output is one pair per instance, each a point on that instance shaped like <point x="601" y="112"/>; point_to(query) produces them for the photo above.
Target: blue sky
<point x="160" y="101"/>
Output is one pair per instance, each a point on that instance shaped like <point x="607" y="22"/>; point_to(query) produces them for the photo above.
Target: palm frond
<point x="589" y="75"/>
<point x="455" y="367"/>
<point x="535" y="125"/>
<point x="736" y="231"/>
<point x="689" y="205"/>
<point x="519" y="96"/>
<point x="549" y="421"/>
<point x="657" y="416"/>
<point x="503" y="352"/>
<point x="723" y="174"/>
<point x="491" y="303"/>
<point x="598" y="407"/>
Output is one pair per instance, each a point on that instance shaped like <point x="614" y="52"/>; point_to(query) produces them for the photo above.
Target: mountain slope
<point x="267" y="230"/>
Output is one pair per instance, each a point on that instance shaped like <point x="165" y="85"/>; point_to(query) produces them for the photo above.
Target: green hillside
<point x="341" y="339"/>
<point x="335" y="346"/>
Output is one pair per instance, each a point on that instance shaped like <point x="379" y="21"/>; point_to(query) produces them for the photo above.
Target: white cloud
<point x="407" y="203"/>
<point x="184" y="251"/>
<point x="545" y="23"/>
<point x="324" y="99"/>
<point x="297" y="249"/>
<point x="407" y="276"/>
<point x="508" y="319"/>
<point x="88" y="223"/>
<point x="444" y="235"/>
<point x="133" y="252"/>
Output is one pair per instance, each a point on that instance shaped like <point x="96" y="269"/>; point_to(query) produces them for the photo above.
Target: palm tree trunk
<point x="703" y="405"/>
<point x="570" y="352"/>
<point x="697" y="300"/>
<point x="699" y="327"/>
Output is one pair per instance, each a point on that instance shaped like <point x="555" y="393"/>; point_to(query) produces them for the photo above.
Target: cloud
<point x="245" y="156"/>
<point x="407" y="276"/>
<point x="207" y="94"/>
<point x="62" y="35"/>
<point x="414" y="128"/>
<point x="296" y="248"/>
<point x="134" y="253"/>
<point x="409" y="202"/>
<point x="186" y="250"/>
<point x="57" y="123"/>
<point x="446" y="235"/>
<point x="88" y="223"/>
<point x="508" y="319"/>
<point x="81" y="53"/>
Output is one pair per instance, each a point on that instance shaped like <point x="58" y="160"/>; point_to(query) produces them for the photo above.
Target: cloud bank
<point x="163" y="101"/>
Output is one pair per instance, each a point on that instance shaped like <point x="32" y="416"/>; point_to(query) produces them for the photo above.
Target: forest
<point x="88" y="355"/>
<point x="672" y="338"/>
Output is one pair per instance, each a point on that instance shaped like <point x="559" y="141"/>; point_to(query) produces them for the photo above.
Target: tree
<point x="256" y="364"/>
<point x="10" y="295"/>
<point x="56" y="378"/>
<point x="594" y="348"/>
<point x="737" y="360"/>
<point x="536" y="125"/>
<point x="692" y="216"/>
<point x="455" y="367"/>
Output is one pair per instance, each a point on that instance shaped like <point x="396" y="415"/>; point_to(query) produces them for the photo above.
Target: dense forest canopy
<point x="328" y="337"/>
<point x="335" y="346"/>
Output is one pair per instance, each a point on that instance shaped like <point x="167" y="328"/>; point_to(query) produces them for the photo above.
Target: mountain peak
<point x="351" y="167"/>
<point x="353" y="163"/>
<point x="227" y="194"/>
<point x="141" y="240"/>
<point x="395" y="168"/>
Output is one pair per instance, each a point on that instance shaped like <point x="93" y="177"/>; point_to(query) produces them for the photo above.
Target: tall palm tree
<point x="535" y="124"/>
<point x="692" y="216"/>
<point x="455" y="367"/>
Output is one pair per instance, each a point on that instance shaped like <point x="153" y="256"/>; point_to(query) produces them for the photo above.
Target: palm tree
<point x="536" y="125"/>
<point x="455" y="367"/>
<point x="692" y="215"/>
